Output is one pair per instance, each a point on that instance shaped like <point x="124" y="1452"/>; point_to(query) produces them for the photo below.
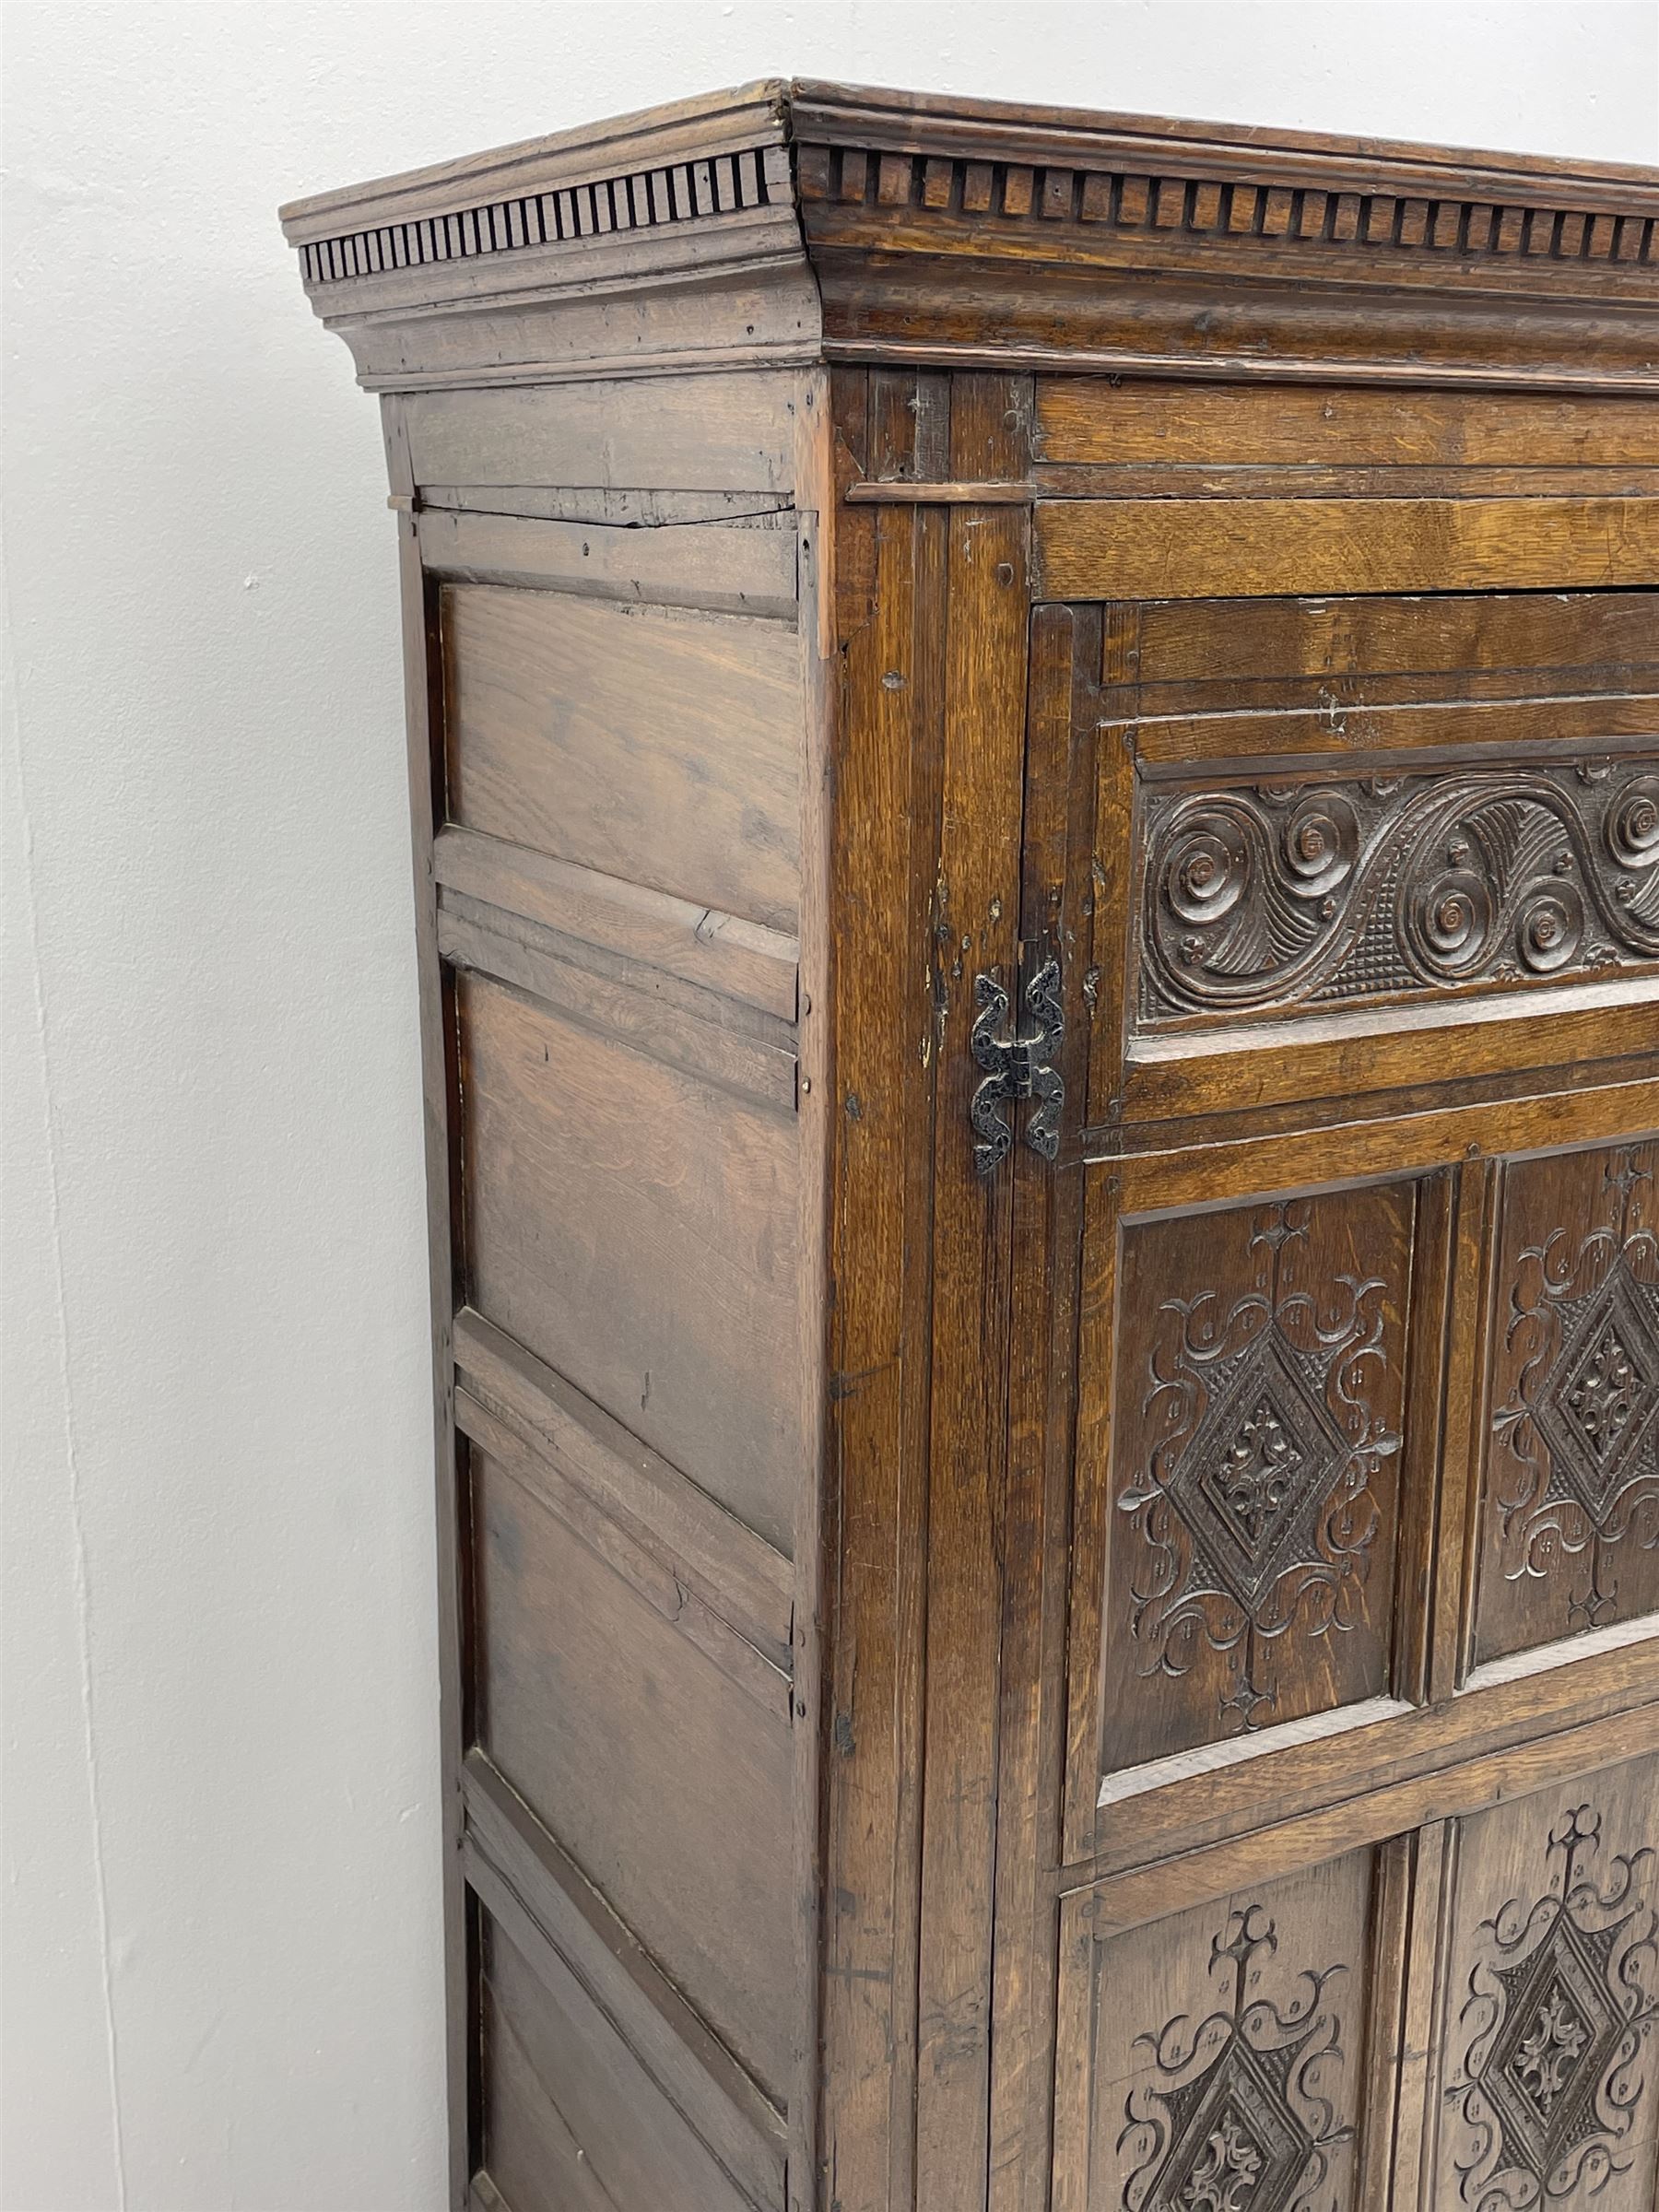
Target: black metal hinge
<point x="1018" y="1067"/>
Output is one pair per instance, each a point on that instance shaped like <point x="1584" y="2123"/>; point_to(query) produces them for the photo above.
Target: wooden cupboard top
<point x="794" y="221"/>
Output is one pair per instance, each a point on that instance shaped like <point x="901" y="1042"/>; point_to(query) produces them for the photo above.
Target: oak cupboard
<point x="1035" y="770"/>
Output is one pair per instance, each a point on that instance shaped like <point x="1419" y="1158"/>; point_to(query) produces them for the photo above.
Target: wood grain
<point x="635" y="1229"/>
<point x="655" y="746"/>
<point x="753" y="713"/>
<point x="739" y="567"/>
<point x="698" y="945"/>
<point x="1085" y="419"/>
<point x="570" y="2118"/>
<point x="1175" y="549"/>
<point x="713" y="433"/>
<point x="686" y="2062"/>
<point x="578" y="1675"/>
<point x="1217" y="655"/>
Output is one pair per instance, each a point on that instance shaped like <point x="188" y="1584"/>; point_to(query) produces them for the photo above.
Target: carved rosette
<point x="1558" y="2025"/>
<point x="1578" y="1436"/>
<point x="1256" y="1511"/>
<point x="1285" y="895"/>
<point x="1242" y="2117"/>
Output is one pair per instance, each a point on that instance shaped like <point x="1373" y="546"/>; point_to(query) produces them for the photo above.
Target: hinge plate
<point x="1018" y="1067"/>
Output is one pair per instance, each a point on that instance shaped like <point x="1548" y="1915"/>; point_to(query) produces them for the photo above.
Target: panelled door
<point x="1355" y="1230"/>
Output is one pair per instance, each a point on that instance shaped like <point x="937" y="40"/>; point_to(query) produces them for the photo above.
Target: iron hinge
<point x="1018" y="1067"/>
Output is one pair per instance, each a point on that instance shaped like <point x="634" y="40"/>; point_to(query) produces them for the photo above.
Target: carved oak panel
<point x="1569" y="1516"/>
<point x="1347" y="890"/>
<point x="1227" y="2056"/>
<point x="1256" y="1467"/>
<point x="1548" y="2097"/>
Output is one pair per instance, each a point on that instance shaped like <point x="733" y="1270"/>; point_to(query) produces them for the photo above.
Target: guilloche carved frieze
<point x="1278" y="896"/>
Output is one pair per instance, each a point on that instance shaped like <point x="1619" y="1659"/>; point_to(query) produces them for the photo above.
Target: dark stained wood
<point x="974" y="928"/>
<point x="703" y="1037"/>
<point x="946" y="1653"/>
<point x="889" y="584"/>
<point x="719" y="434"/>
<point x="1257" y="1456"/>
<point x="1296" y="1953"/>
<point x="742" y="1577"/>
<point x="1567" y="1540"/>
<point x="1589" y="1845"/>
<point x="1055" y="896"/>
<point x="1212" y="655"/>
<point x="423" y="722"/>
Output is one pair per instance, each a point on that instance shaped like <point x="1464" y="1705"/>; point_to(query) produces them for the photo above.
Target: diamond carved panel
<point x="1226" y="2051"/>
<point x="1571" y="1516"/>
<point x="1256" y="1458"/>
<point x="1549" y="2102"/>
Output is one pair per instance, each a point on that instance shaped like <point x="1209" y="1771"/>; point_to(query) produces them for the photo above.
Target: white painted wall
<point x="220" y="1965"/>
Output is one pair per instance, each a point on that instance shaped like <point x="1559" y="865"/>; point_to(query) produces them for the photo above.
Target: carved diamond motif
<point x="1560" y="2010"/>
<point x="1262" y="1462"/>
<point x="1254" y="2128"/>
<point x="1238" y="2146"/>
<point x="1562" y="2030"/>
<point x="1596" y="1406"/>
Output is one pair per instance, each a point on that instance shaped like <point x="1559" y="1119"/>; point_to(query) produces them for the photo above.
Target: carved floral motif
<point x="1256" y="1510"/>
<point x="1318" y="893"/>
<point x="1242" y="2118"/>
<point x="1559" y="2018"/>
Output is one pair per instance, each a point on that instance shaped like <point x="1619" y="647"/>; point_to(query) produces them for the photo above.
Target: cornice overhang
<point x="1130" y="242"/>
<point x="793" y="222"/>
<point x="662" y="241"/>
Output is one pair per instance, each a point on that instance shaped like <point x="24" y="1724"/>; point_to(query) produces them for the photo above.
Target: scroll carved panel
<point x="1256" y="1467"/>
<point x="1571" y="1513"/>
<point x="1283" y="895"/>
<point x="1553" y="2005"/>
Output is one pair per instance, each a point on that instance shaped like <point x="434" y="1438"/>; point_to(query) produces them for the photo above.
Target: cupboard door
<point x="1547" y="2063"/>
<point x="1363" y="1549"/>
<point x="1256" y="1469"/>
<point x="1569" y="1539"/>
<point x="1228" y="2048"/>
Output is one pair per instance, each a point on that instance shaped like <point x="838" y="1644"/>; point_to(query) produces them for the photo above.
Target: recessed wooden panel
<point x="572" y="2122"/>
<point x="651" y="744"/>
<point x="1568" y="1533"/>
<point x="1214" y="656"/>
<point x="1257" y="1468"/>
<point x="1219" y="2058"/>
<point x="1547" y="2090"/>
<point x="1083" y="419"/>
<point x="740" y="568"/>
<point x="1335" y="890"/>
<point x="578" y="1678"/>
<point x="1210" y="548"/>
<point x="714" y="433"/>
<point x="636" y="1229"/>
